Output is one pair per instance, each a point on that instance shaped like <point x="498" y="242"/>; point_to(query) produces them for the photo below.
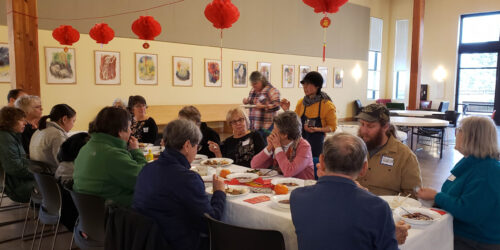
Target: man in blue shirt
<point x="337" y="214"/>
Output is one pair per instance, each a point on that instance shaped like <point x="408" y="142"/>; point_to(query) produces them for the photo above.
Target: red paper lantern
<point x="325" y="6"/>
<point x="102" y="33"/>
<point x="146" y="28"/>
<point x="66" y="35"/>
<point x="222" y="13"/>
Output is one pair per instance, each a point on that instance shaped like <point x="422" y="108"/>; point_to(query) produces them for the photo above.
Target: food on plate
<point x="290" y="184"/>
<point x="233" y="191"/>
<point x="261" y="172"/>
<point x="417" y="216"/>
<point x="142" y="145"/>
<point x="224" y="173"/>
<point x="284" y="201"/>
<point x="253" y="171"/>
<point x="280" y="189"/>
<point x="244" y="179"/>
<point x="213" y="163"/>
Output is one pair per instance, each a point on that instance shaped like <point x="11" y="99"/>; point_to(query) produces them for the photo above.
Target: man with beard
<point x="392" y="166"/>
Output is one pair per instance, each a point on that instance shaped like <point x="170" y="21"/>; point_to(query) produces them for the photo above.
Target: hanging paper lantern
<point x="325" y="6"/>
<point x="102" y="33"/>
<point x="222" y="13"/>
<point x="66" y="35"/>
<point x="146" y="28"/>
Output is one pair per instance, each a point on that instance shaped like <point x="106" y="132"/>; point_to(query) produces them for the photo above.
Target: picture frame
<point x="240" y="74"/>
<point x="324" y="73"/>
<point x="4" y="63"/>
<point x="265" y="69"/>
<point x="303" y="70"/>
<point x="182" y="71"/>
<point x="107" y="67"/>
<point x="288" y="76"/>
<point x="213" y="73"/>
<point x="60" y="65"/>
<point x="338" y="78"/>
<point x="146" y="69"/>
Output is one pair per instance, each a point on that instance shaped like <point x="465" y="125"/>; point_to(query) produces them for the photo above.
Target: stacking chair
<point x="50" y="209"/>
<point x="443" y="106"/>
<point x="228" y="237"/>
<point x="89" y="231"/>
<point x="2" y="194"/>
<point x="357" y="106"/>
<point x="425" y="105"/>
<point x="395" y="106"/>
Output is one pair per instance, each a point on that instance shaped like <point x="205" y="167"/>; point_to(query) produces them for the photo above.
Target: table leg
<point x="442" y="142"/>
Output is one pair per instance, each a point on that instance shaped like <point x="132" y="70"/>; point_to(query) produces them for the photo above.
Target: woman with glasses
<point x="243" y="144"/>
<point x="472" y="192"/>
<point x="143" y="127"/>
<point x="32" y="107"/>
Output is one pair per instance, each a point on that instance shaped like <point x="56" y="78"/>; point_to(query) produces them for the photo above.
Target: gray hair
<point x="345" y="154"/>
<point x="479" y="137"/>
<point x="25" y="103"/>
<point x="289" y="124"/>
<point x="119" y="103"/>
<point x="257" y="76"/>
<point x="177" y="132"/>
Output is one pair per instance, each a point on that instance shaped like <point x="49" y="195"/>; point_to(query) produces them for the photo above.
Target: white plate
<point x="248" y="177"/>
<point x="434" y="215"/>
<point x="299" y="182"/>
<point x="397" y="201"/>
<point x="144" y="145"/>
<point x="277" y="198"/>
<point x="198" y="158"/>
<point x="264" y="172"/>
<point x="247" y="106"/>
<point x="245" y="190"/>
<point x="208" y="177"/>
<point x="219" y="160"/>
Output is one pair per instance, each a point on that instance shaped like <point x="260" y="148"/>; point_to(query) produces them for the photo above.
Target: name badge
<point x="145" y="129"/>
<point x="245" y="142"/>
<point x="452" y="177"/>
<point x="388" y="161"/>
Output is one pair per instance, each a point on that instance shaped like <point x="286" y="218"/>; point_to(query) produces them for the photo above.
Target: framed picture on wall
<point x="213" y="73"/>
<point x="324" y="73"/>
<point x="240" y="74"/>
<point x="303" y="70"/>
<point x="107" y="67"/>
<point x="60" y="66"/>
<point x="146" y="69"/>
<point x="288" y="76"/>
<point x="265" y="69"/>
<point x="338" y="77"/>
<point x="182" y="71"/>
<point x="4" y="63"/>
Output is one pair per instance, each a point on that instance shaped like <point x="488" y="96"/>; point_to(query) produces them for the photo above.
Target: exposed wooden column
<point x="417" y="40"/>
<point x="23" y="45"/>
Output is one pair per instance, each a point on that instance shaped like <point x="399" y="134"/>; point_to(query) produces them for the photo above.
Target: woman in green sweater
<point x="105" y="166"/>
<point x="18" y="180"/>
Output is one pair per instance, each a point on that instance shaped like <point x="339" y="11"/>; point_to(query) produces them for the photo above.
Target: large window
<point x="401" y="73"/>
<point x="374" y="58"/>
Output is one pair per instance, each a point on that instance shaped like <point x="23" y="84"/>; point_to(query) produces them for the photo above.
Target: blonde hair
<point x="26" y="102"/>
<point x="479" y="137"/>
<point x="239" y="112"/>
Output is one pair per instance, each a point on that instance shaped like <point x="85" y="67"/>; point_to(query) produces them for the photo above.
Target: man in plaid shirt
<point x="266" y="99"/>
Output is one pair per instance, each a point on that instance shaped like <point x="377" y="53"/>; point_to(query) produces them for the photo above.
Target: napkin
<point x="258" y="199"/>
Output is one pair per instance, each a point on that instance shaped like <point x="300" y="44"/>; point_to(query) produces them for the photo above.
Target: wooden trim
<point x="416" y="53"/>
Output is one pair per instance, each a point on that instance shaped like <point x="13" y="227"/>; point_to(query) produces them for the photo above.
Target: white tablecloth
<point x="418" y="122"/>
<point x="416" y="113"/>
<point x="438" y="235"/>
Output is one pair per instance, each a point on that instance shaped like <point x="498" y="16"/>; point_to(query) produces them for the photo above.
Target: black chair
<point x="89" y="231"/>
<point x="228" y="237"/>
<point x="357" y="106"/>
<point x="395" y="106"/>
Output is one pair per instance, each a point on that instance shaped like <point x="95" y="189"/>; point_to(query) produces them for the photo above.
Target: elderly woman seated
<point x="32" y="107"/>
<point x="174" y="196"/>
<point x="243" y="144"/>
<point x="286" y="151"/>
<point x="18" y="180"/>
<point x="193" y="114"/>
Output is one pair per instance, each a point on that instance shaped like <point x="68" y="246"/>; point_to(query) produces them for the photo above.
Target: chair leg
<point x="26" y="219"/>
<point x="73" y="237"/>
<point x="55" y="234"/>
<point x="41" y="237"/>
<point x="1" y="197"/>
<point x="34" y="235"/>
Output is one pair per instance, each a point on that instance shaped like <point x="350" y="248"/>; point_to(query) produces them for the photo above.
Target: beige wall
<point x="87" y="98"/>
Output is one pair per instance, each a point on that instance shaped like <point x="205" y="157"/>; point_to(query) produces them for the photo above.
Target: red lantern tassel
<point x="221" y="56"/>
<point x="324" y="44"/>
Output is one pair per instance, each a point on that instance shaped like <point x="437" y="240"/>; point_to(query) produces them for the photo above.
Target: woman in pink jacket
<point x="286" y="151"/>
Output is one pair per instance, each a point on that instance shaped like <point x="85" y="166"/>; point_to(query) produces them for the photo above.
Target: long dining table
<point x="266" y="215"/>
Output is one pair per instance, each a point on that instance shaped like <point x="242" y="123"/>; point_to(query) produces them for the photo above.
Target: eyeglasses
<point x="233" y="122"/>
<point x="140" y="106"/>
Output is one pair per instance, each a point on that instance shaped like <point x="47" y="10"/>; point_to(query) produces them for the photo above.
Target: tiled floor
<point x="434" y="172"/>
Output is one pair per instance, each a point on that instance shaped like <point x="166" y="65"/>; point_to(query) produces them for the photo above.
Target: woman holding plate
<point x="472" y="192"/>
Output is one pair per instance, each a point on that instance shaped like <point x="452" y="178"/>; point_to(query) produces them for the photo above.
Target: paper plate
<point x="290" y="182"/>
<point x="279" y="199"/>
<point x="244" y="191"/>
<point x="217" y="162"/>
<point x="243" y="177"/>
<point x="434" y="215"/>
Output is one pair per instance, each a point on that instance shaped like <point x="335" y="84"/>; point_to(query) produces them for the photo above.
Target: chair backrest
<point x="357" y="106"/>
<point x="315" y="162"/>
<point x="383" y="101"/>
<point x="228" y="237"/>
<point x="51" y="194"/>
<point x="395" y="106"/>
<point x="425" y="105"/>
<point x="443" y="106"/>
<point x="40" y="167"/>
<point x="92" y="214"/>
<point x="452" y="117"/>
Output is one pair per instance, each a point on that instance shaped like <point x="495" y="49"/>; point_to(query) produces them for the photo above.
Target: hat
<point x="314" y="78"/>
<point x="373" y="113"/>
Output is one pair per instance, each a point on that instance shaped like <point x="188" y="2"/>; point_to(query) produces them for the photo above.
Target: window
<point x="401" y="73"/>
<point x="374" y="58"/>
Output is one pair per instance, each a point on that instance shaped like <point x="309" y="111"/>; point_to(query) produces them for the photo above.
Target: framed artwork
<point x="107" y="67"/>
<point x="288" y="77"/>
<point x="4" y="63"/>
<point x="338" y="79"/>
<point x="182" y="71"/>
<point x="324" y="73"/>
<point x="60" y="66"/>
<point x="265" y="69"/>
<point x="303" y="70"/>
<point x="146" y="69"/>
<point x="240" y="74"/>
<point x="213" y="73"/>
